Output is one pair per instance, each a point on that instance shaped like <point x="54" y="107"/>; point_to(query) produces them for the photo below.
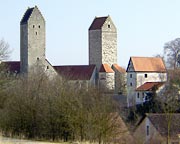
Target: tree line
<point x="36" y="107"/>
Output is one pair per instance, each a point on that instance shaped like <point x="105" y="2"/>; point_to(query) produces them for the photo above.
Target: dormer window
<point x="109" y="26"/>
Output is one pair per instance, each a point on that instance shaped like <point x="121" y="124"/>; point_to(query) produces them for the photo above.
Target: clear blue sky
<point x="143" y="26"/>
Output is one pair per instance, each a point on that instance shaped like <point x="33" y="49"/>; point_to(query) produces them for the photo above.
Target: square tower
<point x="102" y="42"/>
<point x="32" y="39"/>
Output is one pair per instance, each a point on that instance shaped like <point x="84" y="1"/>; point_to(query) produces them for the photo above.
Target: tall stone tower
<point x="102" y="42"/>
<point x="32" y="39"/>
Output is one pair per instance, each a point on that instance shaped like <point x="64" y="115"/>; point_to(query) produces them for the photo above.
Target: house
<point x="102" y="53"/>
<point x="155" y="128"/>
<point x="144" y="74"/>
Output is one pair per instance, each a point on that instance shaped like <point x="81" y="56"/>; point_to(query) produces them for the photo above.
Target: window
<point x="47" y="67"/>
<point x="147" y="130"/>
<point x="145" y="75"/>
<point x="37" y="58"/>
<point x="109" y="26"/>
<point x="130" y="84"/>
<point x="33" y="26"/>
<point x="137" y="95"/>
<point x="36" y="33"/>
<point x="39" y="26"/>
<point x="143" y="95"/>
<point x="130" y="75"/>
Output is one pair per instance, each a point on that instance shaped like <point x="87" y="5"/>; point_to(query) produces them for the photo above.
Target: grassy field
<point x="4" y="140"/>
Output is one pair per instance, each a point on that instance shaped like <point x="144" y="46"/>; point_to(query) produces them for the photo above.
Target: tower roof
<point x="97" y="23"/>
<point x="27" y="15"/>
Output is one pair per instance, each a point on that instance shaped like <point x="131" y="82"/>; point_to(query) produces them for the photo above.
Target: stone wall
<point x="120" y="81"/>
<point x="32" y="40"/>
<point x="106" y="81"/>
<point x="109" y="42"/>
<point x="95" y="48"/>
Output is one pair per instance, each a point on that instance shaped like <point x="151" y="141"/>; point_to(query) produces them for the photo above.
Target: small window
<point x="47" y="67"/>
<point x="33" y="26"/>
<point x="109" y="26"/>
<point x="130" y="75"/>
<point x="145" y="75"/>
<point x="37" y="58"/>
<point x="137" y="95"/>
<point x="39" y="26"/>
<point x="36" y="33"/>
<point x="147" y="130"/>
<point x="130" y="84"/>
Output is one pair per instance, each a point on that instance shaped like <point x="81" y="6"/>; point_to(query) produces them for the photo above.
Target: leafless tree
<point x="172" y="53"/>
<point x="4" y="50"/>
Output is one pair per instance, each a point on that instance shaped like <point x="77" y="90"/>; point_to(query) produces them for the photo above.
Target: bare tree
<point x="172" y="53"/>
<point x="4" y="50"/>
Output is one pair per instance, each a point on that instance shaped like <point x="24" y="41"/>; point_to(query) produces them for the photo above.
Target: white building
<point x="143" y="75"/>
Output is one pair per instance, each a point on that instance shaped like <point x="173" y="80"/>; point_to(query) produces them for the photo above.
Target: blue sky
<point x="143" y="26"/>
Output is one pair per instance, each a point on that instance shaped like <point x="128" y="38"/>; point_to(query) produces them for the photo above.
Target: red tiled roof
<point x="79" y="72"/>
<point x="148" y="64"/>
<point x="149" y="86"/>
<point x="106" y="68"/>
<point x="12" y="66"/>
<point x="97" y="23"/>
<point x="120" y="69"/>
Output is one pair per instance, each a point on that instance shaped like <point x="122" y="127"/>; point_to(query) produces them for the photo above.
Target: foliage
<point x="37" y="107"/>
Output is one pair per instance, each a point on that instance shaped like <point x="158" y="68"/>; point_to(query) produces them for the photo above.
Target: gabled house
<point x="155" y="128"/>
<point x="144" y="74"/>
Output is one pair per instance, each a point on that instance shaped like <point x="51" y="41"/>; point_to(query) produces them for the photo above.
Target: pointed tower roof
<point x="98" y="23"/>
<point x="26" y="15"/>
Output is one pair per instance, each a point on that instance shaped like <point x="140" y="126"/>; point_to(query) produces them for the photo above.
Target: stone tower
<point x="32" y="39"/>
<point x="102" y="42"/>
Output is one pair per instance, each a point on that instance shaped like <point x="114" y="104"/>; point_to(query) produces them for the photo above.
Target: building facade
<point x="140" y="72"/>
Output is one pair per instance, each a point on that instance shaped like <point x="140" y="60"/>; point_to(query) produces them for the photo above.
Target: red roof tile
<point x="120" y="69"/>
<point x="148" y="64"/>
<point x="149" y="86"/>
<point x="106" y="68"/>
<point x="97" y="23"/>
<point x="79" y="72"/>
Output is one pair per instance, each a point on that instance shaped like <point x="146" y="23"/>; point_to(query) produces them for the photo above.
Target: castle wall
<point x="95" y="48"/>
<point x="24" y="48"/>
<point x="36" y="38"/>
<point x="109" y="42"/>
<point x="106" y="81"/>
